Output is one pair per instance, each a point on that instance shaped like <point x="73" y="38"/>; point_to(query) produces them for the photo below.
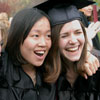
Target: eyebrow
<point x="78" y="30"/>
<point x="64" y="33"/>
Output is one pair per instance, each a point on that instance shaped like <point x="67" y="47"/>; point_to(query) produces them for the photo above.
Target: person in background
<point x="10" y="20"/>
<point x="4" y="27"/>
<point x="92" y="27"/>
<point x="4" y="19"/>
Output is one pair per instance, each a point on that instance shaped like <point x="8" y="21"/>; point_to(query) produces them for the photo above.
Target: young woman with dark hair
<point x="27" y="67"/>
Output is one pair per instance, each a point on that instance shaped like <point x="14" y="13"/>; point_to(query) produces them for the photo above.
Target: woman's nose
<point x="73" y="39"/>
<point x="42" y="41"/>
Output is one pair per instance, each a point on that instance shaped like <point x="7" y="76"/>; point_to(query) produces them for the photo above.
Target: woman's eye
<point x="49" y="35"/>
<point x="36" y="35"/>
<point x="78" y="32"/>
<point x="64" y="36"/>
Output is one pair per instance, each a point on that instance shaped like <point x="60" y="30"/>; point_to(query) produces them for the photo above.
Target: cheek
<point x="62" y="44"/>
<point x="22" y="49"/>
<point x="49" y="44"/>
<point x="86" y="13"/>
<point x="82" y="39"/>
<point x="29" y="43"/>
<point x="26" y="46"/>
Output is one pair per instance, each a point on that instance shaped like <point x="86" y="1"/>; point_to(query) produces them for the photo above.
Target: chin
<point x="38" y="64"/>
<point x="75" y="59"/>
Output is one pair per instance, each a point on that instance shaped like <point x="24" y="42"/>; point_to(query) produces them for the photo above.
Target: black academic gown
<point x="82" y="90"/>
<point x="15" y="84"/>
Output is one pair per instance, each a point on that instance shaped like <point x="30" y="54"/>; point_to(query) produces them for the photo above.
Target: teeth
<point x="41" y="52"/>
<point x="72" y="49"/>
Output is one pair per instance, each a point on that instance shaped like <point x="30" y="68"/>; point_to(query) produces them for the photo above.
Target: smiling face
<point x="71" y="41"/>
<point x="38" y="42"/>
<point x="87" y="10"/>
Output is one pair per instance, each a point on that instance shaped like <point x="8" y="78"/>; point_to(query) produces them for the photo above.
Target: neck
<point x="70" y="67"/>
<point x="30" y="71"/>
<point x="71" y="74"/>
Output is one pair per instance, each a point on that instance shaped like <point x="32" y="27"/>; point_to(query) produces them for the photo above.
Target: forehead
<point x="42" y="24"/>
<point x="73" y="25"/>
<point x="44" y="20"/>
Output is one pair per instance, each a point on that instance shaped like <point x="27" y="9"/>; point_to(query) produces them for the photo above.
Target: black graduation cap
<point x="48" y="4"/>
<point x="62" y="14"/>
<point x="62" y="11"/>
